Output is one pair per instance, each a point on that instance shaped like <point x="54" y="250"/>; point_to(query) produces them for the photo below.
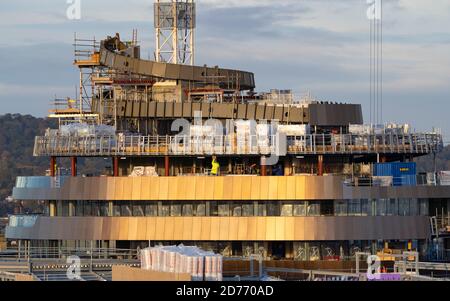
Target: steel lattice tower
<point x="175" y="24"/>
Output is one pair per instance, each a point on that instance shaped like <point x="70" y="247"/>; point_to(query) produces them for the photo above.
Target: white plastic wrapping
<point x="181" y="259"/>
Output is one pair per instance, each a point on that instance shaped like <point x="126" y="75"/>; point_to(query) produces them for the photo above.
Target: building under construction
<point x="199" y="157"/>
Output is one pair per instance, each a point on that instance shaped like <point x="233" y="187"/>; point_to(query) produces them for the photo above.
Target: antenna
<point x="175" y="28"/>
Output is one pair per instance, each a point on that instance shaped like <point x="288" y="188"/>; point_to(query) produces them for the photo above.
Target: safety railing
<point x="236" y="145"/>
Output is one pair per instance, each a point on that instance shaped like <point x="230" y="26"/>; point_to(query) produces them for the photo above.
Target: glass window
<point x="224" y="209"/>
<point x="87" y="208"/>
<point x="104" y="208"/>
<point x="372" y="210"/>
<point x="79" y="208"/>
<point x="392" y="207"/>
<point x="138" y="209"/>
<point x="200" y="209"/>
<point x="188" y="210"/>
<point x="95" y="208"/>
<point x="299" y="209"/>
<point x="126" y="209"/>
<point x="175" y="209"/>
<point x="247" y="209"/>
<point x="164" y="209"/>
<point x="262" y="209"/>
<point x="236" y="209"/>
<point x="273" y="208"/>
<point x="413" y="207"/>
<point x="116" y="209"/>
<point x="151" y="209"/>
<point x="423" y="204"/>
<point x="403" y="207"/>
<point x="340" y="207"/>
<point x="65" y="208"/>
<point x="354" y="208"/>
<point x="314" y="208"/>
<point x="381" y="207"/>
<point x="287" y="209"/>
<point x="365" y="208"/>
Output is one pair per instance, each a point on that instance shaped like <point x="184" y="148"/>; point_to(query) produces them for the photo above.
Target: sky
<point x="317" y="46"/>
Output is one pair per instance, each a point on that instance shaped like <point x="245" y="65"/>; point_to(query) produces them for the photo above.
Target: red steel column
<point x="320" y="165"/>
<point x="167" y="166"/>
<point x="263" y="167"/>
<point x="74" y="161"/>
<point x="52" y="166"/>
<point x="116" y="166"/>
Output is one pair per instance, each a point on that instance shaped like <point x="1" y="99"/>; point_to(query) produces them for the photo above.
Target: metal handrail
<point x="120" y="145"/>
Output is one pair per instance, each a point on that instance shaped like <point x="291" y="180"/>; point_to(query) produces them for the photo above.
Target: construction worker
<point x="215" y="166"/>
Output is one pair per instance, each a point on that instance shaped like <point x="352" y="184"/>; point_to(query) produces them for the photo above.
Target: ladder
<point x="434" y="226"/>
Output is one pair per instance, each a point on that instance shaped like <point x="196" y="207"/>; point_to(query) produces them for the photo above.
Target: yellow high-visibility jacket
<point x="215" y="168"/>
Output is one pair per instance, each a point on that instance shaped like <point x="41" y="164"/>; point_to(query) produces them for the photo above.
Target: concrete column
<point x="116" y="166"/>
<point x="320" y="165"/>
<point x="167" y="166"/>
<point x="74" y="161"/>
<point x="52" y="166"/>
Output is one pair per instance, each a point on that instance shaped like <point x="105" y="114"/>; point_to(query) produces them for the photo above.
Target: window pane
<point x="188" y="210"/>
<point x="224" y="209"/>
<point x="247" y="209"/>
<point x="392" y="207"/>
<point x="382" y="207"/>
<point x="340" y="208"/>
<point x="116" y="209"/>
<point x="424" y="211"/>
<point x="201" y="209"/>
<point x="413" y="207"/>
<point x="365" y="211"/>
<point x="273" y="209"/>
<point x="138" y="209"/>
<point x="314" y="208"/>
<point x="286" y="209"/>
<point x="104" y="208"/>
<point x="300" y="209"/>
<point x="403" y="207"/>
<point x="151" y="209"/>
<point x="236" y="209"/>
<point x="164" y="209"/>
<point x="354" y="208"/>
<point x="262" y="209"/>
<point x="175" y="209"/>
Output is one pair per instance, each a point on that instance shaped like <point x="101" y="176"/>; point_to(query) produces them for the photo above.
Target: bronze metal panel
<point x="141" y="233"/>
<point x="200" y="188"/>
<point x="299" y="230"/>
<point x="115" y="228"/>
<point x="290" y="188"/>
<point x="215" y="228"/>
<point x="188" y="226"/>
<point x="169" y="110"/>
<point x="189" y="184"/>
<point x="145" y="67"/>
<point x="163" y="188"/>
<point x="227" y="188"/>
<point x="144" y="109"/>
<point x="154" y="188"/>
<point x="278" y="115"/>
<point x="271" y="228"/>
<point x="252" y="231"/>
<point x="151" y="109"/>
<point x="187" y="72"/>
<point x="237" y="189"/>
<point x="136" y="188"/>
<point x="160" y="108"/>
<point x="151" y="229"/>
<point x="145" y="188"/>
<point x="196" y="107"/>
<point x="243" y="229"/>
<point x="255" y="188"/>
<point x="159" y="69"/>
<point x="282" y="188"/>
<point x="178" y="110"/>
<point x="213" y="188"/>
<point x="93" y="189"/>
<point x="169" y="228"/>
<point x="133" y="229"/>
<point x="233" y="234"/>
<point x="241" y="111"/>
<point x="273" y="188"/>
<point x="222" y="111"/>
<point x="127" y="188"/>
<point x="160" y="228"/>
<point x="269" y="112"/>
<point x="206" y="229"/>
<point x="129" y="108"/>
<point x="175" y="192"/>
<point x="102" y="188"/>
<point x="179" y="225"/>
<point x="260" y="112"/>
<point x="136" y="109"/>
<point x="289" y="228"/>
<point x="172" y="71"/>
<point x="251" y="111"/>
<point x="310" y="229"/>
<point x="224" y="229"/>
<point x="196" y="229"/>
<point x="264" y="185"/>
<point x="106" y="230"/>
<point x="187" y="110"/>
<point x="280" y="228"/>
<point x="206" y="110"/>
<point x="246" y="183"/>
<point x="123" y="230"/>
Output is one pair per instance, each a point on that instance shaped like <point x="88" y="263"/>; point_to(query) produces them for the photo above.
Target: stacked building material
<point x="181" y="259"/>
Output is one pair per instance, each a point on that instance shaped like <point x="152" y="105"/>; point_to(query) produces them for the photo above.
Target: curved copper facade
<point x="233" y="188"/>
<point x="224" y="228"/>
